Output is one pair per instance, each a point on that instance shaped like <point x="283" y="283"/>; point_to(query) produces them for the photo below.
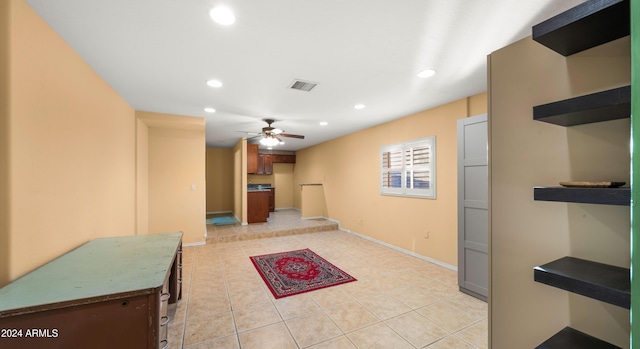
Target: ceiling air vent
<point x="302" y="85"/>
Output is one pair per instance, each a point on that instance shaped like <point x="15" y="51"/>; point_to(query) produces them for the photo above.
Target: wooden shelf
<point x="587" y="25"/>
<point x="570" y="338"/>
<point x="603" y="196"/>
<point x="599" y="281"/>
<point x="602" y="106"/>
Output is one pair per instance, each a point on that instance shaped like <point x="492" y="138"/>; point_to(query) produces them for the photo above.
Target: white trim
<point x="216" y="212"/>
<point x="195" y="244"/>
<point x="404" y="168"/>
<point x="434" y="261"/>
<point x="238" y="219"/>
<point x="286" y="208"/>
<point x="314" y="217"/>
<point x="393" y="247"/>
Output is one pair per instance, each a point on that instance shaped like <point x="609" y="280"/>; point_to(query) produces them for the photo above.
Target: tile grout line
<point x="233" y="315"/>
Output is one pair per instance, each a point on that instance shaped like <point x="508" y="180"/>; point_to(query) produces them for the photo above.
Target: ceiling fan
<point x="272" y="136"/>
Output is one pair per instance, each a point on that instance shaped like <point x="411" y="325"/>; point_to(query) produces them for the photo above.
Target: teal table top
<point x="98" y="268"/>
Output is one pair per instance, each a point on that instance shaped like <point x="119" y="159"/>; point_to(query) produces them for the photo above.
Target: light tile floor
<point x="399" y="301"/>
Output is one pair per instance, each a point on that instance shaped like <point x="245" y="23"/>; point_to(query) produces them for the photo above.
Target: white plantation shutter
<point x="409" y="168"/>
<point x="392" y="165"/>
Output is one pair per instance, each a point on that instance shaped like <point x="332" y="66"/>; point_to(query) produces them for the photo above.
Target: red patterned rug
<point x="295" y="272"/>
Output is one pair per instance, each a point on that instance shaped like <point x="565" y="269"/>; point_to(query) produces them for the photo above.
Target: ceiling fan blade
<point x="291" y="135"/>
<point x="250" y="133"/>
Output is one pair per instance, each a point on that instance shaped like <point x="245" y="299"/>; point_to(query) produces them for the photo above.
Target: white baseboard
<point x="393" y="247"/>
<point x="216" y="212"/>
<point x="238" y="219"/>
<point x="434" y="261"/>
<point x="286" y="208"/>
<point x="314" y="217"/>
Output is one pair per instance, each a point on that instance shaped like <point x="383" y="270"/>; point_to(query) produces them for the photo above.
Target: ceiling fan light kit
<point x="271" y="135"/>
<point x="270" y="141"/>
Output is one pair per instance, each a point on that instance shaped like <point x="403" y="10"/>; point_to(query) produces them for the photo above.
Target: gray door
<point x="473" y="215"/>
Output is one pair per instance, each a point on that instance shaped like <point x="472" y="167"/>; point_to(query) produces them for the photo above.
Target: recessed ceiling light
<point x="359" y="106"/>
<point x="222" y="15"/>
<point x="323" y="123"/>
<point x="426" y="73"/>
<point x="209" y="110"/>
<point x="214" y="83"/>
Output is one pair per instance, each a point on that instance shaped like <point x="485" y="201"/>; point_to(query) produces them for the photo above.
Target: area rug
<point x="295" y="272"/>
<point x="222" y="220"/>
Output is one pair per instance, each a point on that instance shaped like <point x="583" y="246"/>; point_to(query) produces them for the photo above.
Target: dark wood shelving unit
<point x="570" y="338"/>
<point x="587" y="25"/>
<point x="602" y="196"/>
<point x="602" y="106"/>
<point x="590" y="24"/>
<point x="606" y="283"/>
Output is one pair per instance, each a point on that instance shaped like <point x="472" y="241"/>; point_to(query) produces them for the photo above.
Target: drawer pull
<point x="165" y="297"/>
<point x="165" y="321"/>
<point x="166" y="343"/>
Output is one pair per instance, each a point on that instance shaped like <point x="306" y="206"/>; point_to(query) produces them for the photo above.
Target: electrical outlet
<point x="426" y="234"/>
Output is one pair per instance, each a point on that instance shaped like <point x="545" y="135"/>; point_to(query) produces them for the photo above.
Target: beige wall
<point x="5" y="18"/>
<point x="240" y="180"/>
<point x="219" y="179"/>
<point x="142" y="177"/>
<point x="313" y="201"/>
<point x="477" y="104"/>
<point x="176" y="175"/>
<point x="525" y="153"/>
<point x="283" y="181"/>
<point x="348" y="168"/>
<point x="71" y="141"/>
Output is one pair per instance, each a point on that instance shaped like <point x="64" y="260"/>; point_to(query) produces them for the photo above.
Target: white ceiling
<point x="158" y="55"/>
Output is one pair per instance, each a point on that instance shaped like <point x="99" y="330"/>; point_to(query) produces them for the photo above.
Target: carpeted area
<point x="294" y="272"/>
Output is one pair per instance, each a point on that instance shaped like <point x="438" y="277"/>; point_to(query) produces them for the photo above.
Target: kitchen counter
<point x="253" y="189"/>
<point x="259" y="187"/>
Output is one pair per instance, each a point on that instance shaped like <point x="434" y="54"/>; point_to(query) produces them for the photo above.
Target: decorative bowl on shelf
<point x="592" y="184"/>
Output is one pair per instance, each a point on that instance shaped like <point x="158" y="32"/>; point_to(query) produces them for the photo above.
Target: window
<point x="408" y="169"/>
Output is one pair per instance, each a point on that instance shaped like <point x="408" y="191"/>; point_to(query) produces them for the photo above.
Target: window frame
<point x="402" y="190"/>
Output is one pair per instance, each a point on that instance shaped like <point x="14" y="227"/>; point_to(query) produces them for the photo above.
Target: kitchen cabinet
<point x="252" y="158"/>
<point x="284" y="158"/>
<point x="272" y="200"/>
<point x="258" y="206"/>
<point x="265" y="164"/>
<point x="107" y="293"/>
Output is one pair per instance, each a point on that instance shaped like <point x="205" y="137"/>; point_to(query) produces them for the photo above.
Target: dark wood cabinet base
<point x="258" y="206"/>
